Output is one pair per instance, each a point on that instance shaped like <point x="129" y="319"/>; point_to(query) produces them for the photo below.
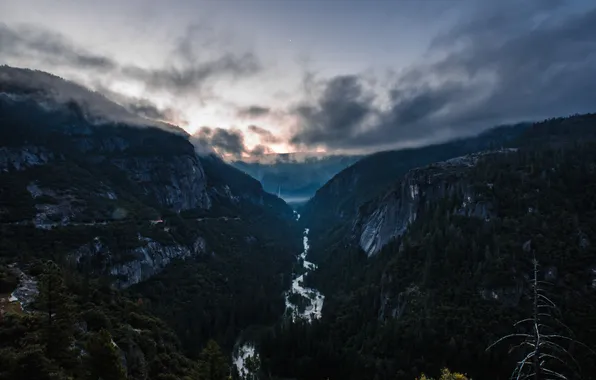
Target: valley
<point x="297" y="190"/>
<point x="305" y="304"/>
<point x="157" y="262"/>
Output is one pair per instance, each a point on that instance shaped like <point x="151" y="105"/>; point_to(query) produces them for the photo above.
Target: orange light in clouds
<point x="191" y="116"/>
<point x="215" y="117"/>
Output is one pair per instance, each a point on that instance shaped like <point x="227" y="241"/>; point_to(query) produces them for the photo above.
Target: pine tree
<point x="253" y="364"/>
<point x="103" y="358"/>
<point x="212" y="363"/>
<point x="32" y="363"/>
<point x="58" y="315"/>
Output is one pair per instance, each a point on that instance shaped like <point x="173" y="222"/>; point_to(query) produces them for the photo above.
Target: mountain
<point x="126" y="202"/>
<point x="125" y="254"/>
<point x="64" y="165"/>
<point x="295" y="177"/>
<point x="330" y="212"/>
<point x="388" y="217"/>
<point x="436" y="267"/>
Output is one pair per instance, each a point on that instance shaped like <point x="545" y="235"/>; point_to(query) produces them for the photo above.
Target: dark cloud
<point x="260" y="150"/>
<point x="34" y="43"/>
<point x="145" y="108"/>
<point x="264" y="135"/>
<point x="226" y="142"/>
<point x="339" y="111"/>
<point x="506" y="65"/>
<point x="193" y="77"/>
<point x="187" y="71"/>
<point x="253" y="111"/>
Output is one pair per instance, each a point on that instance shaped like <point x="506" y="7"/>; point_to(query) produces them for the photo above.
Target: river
<point x="312" y="298"/>
<point x="309" y="306"/>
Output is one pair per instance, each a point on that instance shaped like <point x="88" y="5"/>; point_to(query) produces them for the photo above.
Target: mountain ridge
<point x="444" y="271"/>
<point x="134" y="207"/>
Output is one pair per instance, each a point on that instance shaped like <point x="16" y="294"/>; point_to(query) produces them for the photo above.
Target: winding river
<point x="313" y="298"/>
<point x="309" y="306"/>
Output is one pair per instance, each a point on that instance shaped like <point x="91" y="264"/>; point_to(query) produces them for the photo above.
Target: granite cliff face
<point x="389" y="216"/>
<point x="177" y="183"/>
<point x="149" y="258"/>
<point x="41" y="127"/>
<point x="338" y="202"/>
<point x="21" y="158"/>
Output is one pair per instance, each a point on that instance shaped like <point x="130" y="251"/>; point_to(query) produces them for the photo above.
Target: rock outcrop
<point x="138" y="264"/>
<point x="388" y="217"/>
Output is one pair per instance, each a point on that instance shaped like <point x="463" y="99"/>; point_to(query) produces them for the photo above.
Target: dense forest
<point x="339" y="199"/>
<point x="124" y="254"/>
<point x="154" y="259"/>
<point x="441" y="294"/>
<point x="82" y="328"/>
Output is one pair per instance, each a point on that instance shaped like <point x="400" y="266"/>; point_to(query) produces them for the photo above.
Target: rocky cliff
<point x="338" y="202"/>
<point x="142" y="262"/>
<point x="389" y="216"/>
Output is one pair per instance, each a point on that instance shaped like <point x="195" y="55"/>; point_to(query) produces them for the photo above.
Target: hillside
<point x="436" y="268"/>
<point x="330" y="212"/>
<point x="128" y="203"/>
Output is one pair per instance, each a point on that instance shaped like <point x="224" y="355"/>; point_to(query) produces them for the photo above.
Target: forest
<point x="435" y="298"/>
<point x="442" y="293"/>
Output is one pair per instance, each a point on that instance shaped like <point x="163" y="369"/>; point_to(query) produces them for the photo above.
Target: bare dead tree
<point x="543" y="352"/>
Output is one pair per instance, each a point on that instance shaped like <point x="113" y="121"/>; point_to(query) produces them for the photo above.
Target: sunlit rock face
<point x="388" y="217"/>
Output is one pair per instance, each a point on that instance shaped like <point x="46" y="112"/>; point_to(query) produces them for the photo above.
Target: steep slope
<point x="337" y="202"/>
<point x="227" y="183"/>
<point x="61" y="166"/>
<point x="382" y="220"/>
<point x="387" y="216"/>
<point x="64" y="326"/>
<point x="436" y="268"/>
<point x="117" y="197"/>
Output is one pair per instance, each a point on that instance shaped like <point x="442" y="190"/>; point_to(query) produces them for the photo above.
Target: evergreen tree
<point x="103" y="359"/>
<point x="212" y="363"/>
<point x="253" y="364"/>
<point x="58" y="315"/>
<point x="33" y="364"/>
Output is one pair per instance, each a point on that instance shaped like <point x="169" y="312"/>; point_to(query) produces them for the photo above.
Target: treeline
<point x="79" y="328"/>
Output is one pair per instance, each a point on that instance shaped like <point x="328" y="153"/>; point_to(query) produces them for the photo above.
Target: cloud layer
<point x="511" y="64"/>
<point x="189" y="70"/>
<point x="265" y="136"/>
<point x="499" y="62"/>
<point x="253" y="112"/>
<point x="218" y="140"/>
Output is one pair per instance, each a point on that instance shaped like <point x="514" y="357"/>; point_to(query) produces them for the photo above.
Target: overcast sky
<point x="250" y="77"/>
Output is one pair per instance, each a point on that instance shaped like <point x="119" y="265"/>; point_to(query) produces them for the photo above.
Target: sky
<point x="249" y="78"/>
